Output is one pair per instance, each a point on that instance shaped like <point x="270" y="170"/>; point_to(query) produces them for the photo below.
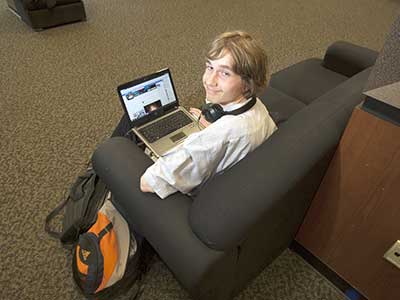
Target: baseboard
<point x="350" y="292"/>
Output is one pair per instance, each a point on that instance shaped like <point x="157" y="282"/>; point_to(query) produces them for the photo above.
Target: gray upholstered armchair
<point x="242" y="220"/>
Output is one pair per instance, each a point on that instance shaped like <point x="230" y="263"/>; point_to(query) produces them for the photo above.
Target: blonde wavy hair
<point x="250" y="61"/>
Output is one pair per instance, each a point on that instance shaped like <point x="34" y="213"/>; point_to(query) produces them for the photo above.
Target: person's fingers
<point x="204" y="122"/>
<point x="195" y="110"/>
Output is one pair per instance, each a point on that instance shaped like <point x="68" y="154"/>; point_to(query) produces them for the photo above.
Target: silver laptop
<point x="154" y="112"/>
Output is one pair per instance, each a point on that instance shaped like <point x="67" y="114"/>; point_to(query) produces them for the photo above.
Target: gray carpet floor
<point x="58" y="101"/>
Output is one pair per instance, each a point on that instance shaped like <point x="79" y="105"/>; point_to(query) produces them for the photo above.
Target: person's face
<point x="222" y="85"/>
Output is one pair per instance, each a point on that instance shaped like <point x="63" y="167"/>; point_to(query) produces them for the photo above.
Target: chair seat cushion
<point x="306" y="80"/>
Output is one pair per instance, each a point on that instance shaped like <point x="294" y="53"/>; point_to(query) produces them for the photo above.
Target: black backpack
<point x="82" y="203"/>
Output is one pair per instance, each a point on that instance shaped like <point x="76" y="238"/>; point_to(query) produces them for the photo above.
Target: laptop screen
<point x="148" y="95"/>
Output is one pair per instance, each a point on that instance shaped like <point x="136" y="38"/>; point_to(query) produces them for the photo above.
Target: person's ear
<point x="246" y="86"/>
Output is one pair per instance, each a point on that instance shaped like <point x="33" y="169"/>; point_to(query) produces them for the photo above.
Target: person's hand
<point x="196" y="113"/>
<point x="144" y="187"/>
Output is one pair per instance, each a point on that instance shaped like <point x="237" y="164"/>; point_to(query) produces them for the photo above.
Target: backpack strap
<point x="85" y="184"/>
<point x="105" y="231"/>
<point x="52" y="215"/>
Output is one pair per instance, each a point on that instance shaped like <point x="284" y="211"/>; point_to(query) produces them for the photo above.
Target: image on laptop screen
<point x="146" y="97"/>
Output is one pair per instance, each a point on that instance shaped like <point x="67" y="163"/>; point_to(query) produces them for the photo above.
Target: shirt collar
<point x="233" y="106"/>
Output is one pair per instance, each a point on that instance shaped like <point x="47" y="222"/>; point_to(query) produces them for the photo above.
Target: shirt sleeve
<point x="187" y="165"/>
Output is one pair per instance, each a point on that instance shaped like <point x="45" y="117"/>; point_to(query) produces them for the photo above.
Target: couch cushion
<point x="306" y="80"/>
<point x="279" y="105"/>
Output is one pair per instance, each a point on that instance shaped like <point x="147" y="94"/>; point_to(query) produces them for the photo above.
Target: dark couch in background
<point x="241" y="221"/>
<point x="42" y="14"/>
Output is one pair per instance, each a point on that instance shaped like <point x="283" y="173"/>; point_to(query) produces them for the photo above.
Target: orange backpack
<point x="106" y="258"/>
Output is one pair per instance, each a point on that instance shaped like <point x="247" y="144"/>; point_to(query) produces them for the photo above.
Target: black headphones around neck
<point x="212" y="112"/>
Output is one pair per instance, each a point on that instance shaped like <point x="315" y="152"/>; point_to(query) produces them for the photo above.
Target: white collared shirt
<point x="211" y="151"/>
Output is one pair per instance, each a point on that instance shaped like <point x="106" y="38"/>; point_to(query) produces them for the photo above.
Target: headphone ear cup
<point x="212" y="112"/>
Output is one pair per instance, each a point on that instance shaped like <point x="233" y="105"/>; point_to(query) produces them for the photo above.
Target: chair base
<point x="44" y="18"/>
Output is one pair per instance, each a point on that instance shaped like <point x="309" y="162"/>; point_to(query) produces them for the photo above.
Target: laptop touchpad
<point x="180" y="135"/>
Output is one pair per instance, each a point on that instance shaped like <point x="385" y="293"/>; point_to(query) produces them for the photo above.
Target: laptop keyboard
<point x="165" y="126"/>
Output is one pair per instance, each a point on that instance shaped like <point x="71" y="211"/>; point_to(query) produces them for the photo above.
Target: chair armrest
<point x="348" y="59"/>
<point x="267" y="189"/>
<point x="120" y="163"/>
<point x="164" y="223"/>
